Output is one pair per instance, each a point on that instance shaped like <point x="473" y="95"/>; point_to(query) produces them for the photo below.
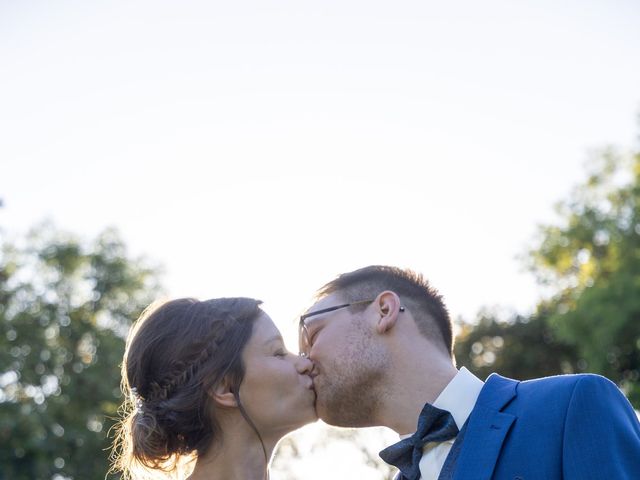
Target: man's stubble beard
<point x="351" y="390"/>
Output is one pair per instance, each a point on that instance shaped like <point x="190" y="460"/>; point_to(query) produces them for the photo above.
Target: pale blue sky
<point x="260" y="148"/>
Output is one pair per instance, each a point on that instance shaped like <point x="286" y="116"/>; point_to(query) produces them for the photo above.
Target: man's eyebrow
<point x="309" y="317"/>
<point x="320" y="312"/>
<point x="315" y="319"/>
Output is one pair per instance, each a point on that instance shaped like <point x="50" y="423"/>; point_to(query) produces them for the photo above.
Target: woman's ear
<point x="223" y="395"/>
<point x="388" y="307"/>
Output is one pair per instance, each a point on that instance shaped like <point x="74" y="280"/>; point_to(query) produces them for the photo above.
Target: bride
<point x="209" y="382"/>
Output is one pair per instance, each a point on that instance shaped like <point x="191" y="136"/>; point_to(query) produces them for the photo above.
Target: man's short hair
<point x="424" y="301"/>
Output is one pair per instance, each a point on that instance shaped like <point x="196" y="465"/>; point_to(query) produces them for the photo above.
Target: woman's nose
<point x="303" y="365"/>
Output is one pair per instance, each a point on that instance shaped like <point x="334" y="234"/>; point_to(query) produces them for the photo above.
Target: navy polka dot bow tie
<point x="434" y="425"/>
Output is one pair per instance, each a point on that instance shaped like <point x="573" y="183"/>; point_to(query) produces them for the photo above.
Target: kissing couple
<point x="211" y="382"/>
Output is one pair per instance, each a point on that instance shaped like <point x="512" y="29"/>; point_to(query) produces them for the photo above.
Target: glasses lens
<point x="303" y="339"/>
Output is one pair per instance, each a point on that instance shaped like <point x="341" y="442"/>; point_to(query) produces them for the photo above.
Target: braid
<point x="183" y="371"/>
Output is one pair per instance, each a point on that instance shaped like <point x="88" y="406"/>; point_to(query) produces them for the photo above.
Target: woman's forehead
<point x="264" y="330"/>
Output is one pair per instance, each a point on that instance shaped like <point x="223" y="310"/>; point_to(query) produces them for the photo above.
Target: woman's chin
<point x="309" y="416"/>
<point x="305" y="412"/>
<point x="305" y="418"/>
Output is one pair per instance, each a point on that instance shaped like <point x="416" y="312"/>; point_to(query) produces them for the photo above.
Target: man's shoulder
<point x="552" y="389"/>
<point x="555" y="381"/>
<point x="566" y="382"/>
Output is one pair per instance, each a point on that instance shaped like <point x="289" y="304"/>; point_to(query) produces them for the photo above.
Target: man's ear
<point x="223" y="395"/>
<point x="388" y="307"/>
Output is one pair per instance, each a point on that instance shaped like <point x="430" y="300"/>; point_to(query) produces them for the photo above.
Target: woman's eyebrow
<point x="274" y="339"/>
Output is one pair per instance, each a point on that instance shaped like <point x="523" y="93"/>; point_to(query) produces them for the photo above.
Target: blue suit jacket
<point x="571" y="427"/>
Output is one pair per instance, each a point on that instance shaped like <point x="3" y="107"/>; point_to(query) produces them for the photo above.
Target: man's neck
<point x="418" y="381"/>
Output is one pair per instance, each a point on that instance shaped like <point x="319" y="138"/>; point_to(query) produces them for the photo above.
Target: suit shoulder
<point x="567" y="381"/>
<point x="570" y="386"/>
<point x="560" y="387"/>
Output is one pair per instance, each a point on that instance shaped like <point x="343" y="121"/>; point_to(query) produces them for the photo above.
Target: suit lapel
<point x="486" y="431"/>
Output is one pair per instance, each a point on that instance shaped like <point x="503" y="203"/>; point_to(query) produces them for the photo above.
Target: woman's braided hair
<point x="176" y="354"/>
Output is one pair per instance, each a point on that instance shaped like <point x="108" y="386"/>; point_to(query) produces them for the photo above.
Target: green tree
<point x="65" y="307"/>
<point x="522" y="347"/>
<point x="589" y="264"/>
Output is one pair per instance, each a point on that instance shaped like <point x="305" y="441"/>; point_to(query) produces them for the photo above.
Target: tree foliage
<point x="65" y="307"/>
<point x="589" y="263"/>
<point x="522" y="348"/>
<point x="593" y="261"/>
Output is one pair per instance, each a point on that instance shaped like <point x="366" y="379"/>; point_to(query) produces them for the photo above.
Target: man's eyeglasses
<point x="303" y="331"/>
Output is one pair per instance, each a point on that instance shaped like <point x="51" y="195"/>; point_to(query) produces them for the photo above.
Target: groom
<point x="381" y="341"/>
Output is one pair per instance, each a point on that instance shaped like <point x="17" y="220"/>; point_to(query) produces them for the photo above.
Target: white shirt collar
<point x="460" y="395"/>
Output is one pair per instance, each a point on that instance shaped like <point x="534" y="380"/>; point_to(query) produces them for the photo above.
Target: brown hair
<point x="424" y="301"/>
<point x="175" y="354"/>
